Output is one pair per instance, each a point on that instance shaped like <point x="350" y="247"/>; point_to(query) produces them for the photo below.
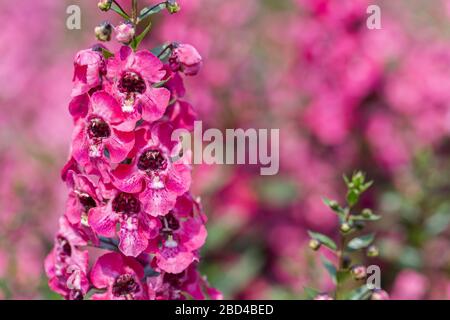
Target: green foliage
<point x="323" y="239"/>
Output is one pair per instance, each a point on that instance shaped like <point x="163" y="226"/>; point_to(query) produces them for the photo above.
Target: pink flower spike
<point x="131" y="77"/>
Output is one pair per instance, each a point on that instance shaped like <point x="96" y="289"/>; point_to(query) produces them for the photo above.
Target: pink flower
<point x="89" y="66"/>
<point x="157" y="170"/>
<point x="183" y="232"/>
<point x="97" y="140"/>
<point x="124" y="33"/>
<point x="181" y="286"/>
<point x="174" y="83"/>
<point x="186" y="59"/>
<point x="66" y="265"/>
<point x="121" y="277"/>
<point x="409" y="285"/>
<point x="82" y="197"/>
<point x="131" y="78"/>
<point x="181" y="115"/>
<point x="136" y="227"/>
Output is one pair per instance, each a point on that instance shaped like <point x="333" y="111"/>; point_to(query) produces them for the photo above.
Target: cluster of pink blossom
<point x="129" y="181"/>
<point x="344" y="97"/>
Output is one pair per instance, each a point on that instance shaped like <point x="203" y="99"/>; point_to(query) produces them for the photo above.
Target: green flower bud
<point x="103" y="31"/>
<point x="172" y="6"/>
<point x="104" y="5"/>
<point x="314" y="244"/>
<point x="372" y="251"/>
<point x="345" y="227"/>
<point x="367" y="213"/>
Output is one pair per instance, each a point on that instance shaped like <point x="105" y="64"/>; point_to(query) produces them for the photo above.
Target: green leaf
<point x="352" y="197"/>
<point x="119" y="11"/>
<point x="333" y="205"/>
<point x="372" y="217"/>
<point x="342" y="275"/>
<point x="137" y="40"/>
<point x="331" y="269"/>
<point x="366" y="186"/>
<point x="106" y="53"/>
<point x="361" y="242"/>
<point x="146" y="12"/>
<point x="323" y="239"/>
<point x="362" y="293"/>
<point x="311" y="293"/>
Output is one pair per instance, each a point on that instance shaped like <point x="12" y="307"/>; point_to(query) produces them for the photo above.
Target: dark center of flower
<point x="63" y="246"/>
<point x="75" y="295"/>
<point x="175" y="280"/>
<point x="131" y="82"/>
<point x="152" y="160"/>
<point x="125" y="284"/>
<point x="98" y="128"/>
<point x="86" y="201"/>
<point x="170" y="222"/>
<point x="126" y="203"/>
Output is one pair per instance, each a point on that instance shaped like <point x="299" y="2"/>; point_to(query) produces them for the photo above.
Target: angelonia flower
<point x="186" y="59"/>
<point x="128" y="180"/>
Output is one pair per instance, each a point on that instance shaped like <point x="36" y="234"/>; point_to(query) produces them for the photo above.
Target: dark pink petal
<point x="178" y="178"/>
<point x="154" y="102"/>
<point x="80" y="144"/>
<point x="127" y="179"/>
<point x="157" y="202"/>
<point x="105" y="106"/>
<point x="71" y="165"/>
<point x="182" y="115"/>
<point x="133" y="237"/>
<point x="73" y="209"/>
<point x="119" y="145"/>
<point x="103" y="221"/>
<point x="79" y="106"/>
<point x="174" y="260"/>
<point x="149" y="66"/>
<point x="103" y="296"/>
<point x="193" y="234"/>
<point x="106" y="269"/>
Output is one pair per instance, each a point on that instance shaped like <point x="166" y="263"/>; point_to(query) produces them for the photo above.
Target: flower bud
<point x="366" y="213"/>
<point x="314" y="244"/>
<point x="345" y="227"/>
<point x="379" y="294"/>
<point x="346" y="262"/>
<point x="323" y="296"/>
<point x="172" y="6"/>
<point x="104" y="5"/>
<point x="103" y="31"/>
<point x="185" y="58"/>
<point x="372" y="251"/>
<point x="125" y="32"/>
<point x="334" y="205"/>
<point x="359" y="272"/>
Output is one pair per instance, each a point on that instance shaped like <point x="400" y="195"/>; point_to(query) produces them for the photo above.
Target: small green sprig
<point x="351" y="221"/>
<point x="136" y="17"/>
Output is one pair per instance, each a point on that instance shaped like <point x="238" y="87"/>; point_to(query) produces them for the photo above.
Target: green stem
<point x="134" y="9"/>
<point x="341" y="253"/>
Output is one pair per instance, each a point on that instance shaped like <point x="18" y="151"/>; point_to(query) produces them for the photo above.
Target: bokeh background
<point x="344" y="97"/>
